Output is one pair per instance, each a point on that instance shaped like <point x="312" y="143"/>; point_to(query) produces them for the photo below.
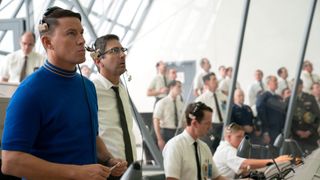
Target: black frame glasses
<point x="115" y="50"/>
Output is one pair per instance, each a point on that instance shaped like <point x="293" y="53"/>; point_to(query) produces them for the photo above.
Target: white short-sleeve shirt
<point x="226" y="83"/>
<point x="198" y="81"/>
<point x="164" y="110"/>
<point x="157" y="83"/>
<point x="110" y="129"/>
<point x="253" y="91"/>
<point x="282" y="84"/>
<point x="226" y="160"/>
<point x="307" y="81"/>
<point x="208" y="99"/>
<point x="12" y="66"/>
<point x="179" y="158"/>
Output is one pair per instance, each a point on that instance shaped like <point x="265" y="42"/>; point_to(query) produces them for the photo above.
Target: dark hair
<point x="280" y="70"/>
<point x="196" y="110"/>
<point x="306" y="63"/>
<point x="173" y="83"/>
<point x="49" y="19"/>
<point x="158" y="63"/>
<point x="202" y="61"/>
<point x="102" y="41"/>
<point x="207" y="76"/>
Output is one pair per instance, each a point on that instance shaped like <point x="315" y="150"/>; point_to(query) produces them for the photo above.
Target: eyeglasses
<point x="115" y="51"/>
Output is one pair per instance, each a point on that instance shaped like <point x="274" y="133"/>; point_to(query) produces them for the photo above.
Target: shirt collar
<point x="105" y="82"/>
<point x="188" y="137"/>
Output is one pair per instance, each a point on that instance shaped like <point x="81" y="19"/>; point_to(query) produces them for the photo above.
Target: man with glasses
<point x="226" y="159"/>
<point x="114" y="109"/>
<point x="23" y="62"/>
<point x="187" y="157"/>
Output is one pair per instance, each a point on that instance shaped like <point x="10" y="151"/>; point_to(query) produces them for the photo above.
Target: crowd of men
<point x="62" y="125"/>
<point x="262" y="119"/>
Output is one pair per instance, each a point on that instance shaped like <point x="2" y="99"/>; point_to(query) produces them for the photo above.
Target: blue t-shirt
<point x="49" y="117"/>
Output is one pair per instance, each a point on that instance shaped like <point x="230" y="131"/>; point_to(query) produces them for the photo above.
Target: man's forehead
<point x="113" y="43"/>
<point x="70" y="22"/>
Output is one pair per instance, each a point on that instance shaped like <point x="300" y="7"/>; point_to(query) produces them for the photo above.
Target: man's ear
<point x="194" y="122"/>
<point x="46" y="42"/>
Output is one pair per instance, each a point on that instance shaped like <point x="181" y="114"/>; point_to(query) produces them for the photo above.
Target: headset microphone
<point x="128" y="76"/>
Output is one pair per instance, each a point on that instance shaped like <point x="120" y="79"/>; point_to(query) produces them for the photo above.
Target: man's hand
<point x="283" y="158"/>
<point x="161" y="144"/>
<point x="118" y="166"/>
<point x="266" y="138"/>
<point x="92" y="171"/>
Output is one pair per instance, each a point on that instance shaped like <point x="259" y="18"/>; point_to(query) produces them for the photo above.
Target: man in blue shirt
<point x="51" y="123"/>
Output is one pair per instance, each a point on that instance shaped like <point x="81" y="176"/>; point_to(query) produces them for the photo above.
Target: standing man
<point x="222" y="73"/>
<point x="242" y="113"/>
<point x="198" y="81"/>
<point x="158" y="87"/>
<point x="187" y="157"/>
<point x="225" y="84"/>
<point x="256" y="88"/>
<point x="283" y="82"/>
<point x="271" y="110"/>
<point x="305" y="120"/>
<point x="51" y="126"/>
<point x="316" y="92"/>
<point x="216" y="100"/>
<point x="172" y="75"/>
<point x="308" y="77"/>
<point x="23" y="62"/>
<point x="167" y="114"/>
<point x="114" y="114"/>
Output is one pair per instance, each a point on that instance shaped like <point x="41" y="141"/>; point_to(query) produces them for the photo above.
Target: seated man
<point x="226" y="159"/>
<point x="187" y="157"/>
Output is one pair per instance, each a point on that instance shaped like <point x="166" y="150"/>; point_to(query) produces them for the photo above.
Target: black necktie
<point x="165" y="81"/>
<point x="217" y="107"/>
<point x="124" y="126"/>
<point x="24" y="69"/>
<point x="198" y="161"/>
<point x="175" y="113"/>
<point x="261" y="85"/>
<point x="311" y="77"/>
<point x="287" y="85"/>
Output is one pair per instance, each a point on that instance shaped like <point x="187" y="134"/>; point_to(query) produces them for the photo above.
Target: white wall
<point x="184" y="30"/>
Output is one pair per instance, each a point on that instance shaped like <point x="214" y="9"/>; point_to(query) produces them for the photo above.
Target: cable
<point x="89" y="108"/>
<point x="134" y="112"/>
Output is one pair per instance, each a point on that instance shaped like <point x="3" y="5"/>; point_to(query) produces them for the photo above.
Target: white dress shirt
<point x="227" y="161"/>
<point x="157" y="83"/>
<point x="307" y="82"/>
<point x="225" y="84"/>
<point x="13" y="64"/>
<point x="198" y="81"/>
<point x="164" y="111"/>
<point x="208" y="99"/>
<point x="110" y="129"/>
<point x="179" y="159"/>
<point x="253" y="91"/>
<point x="282" y="84"/>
